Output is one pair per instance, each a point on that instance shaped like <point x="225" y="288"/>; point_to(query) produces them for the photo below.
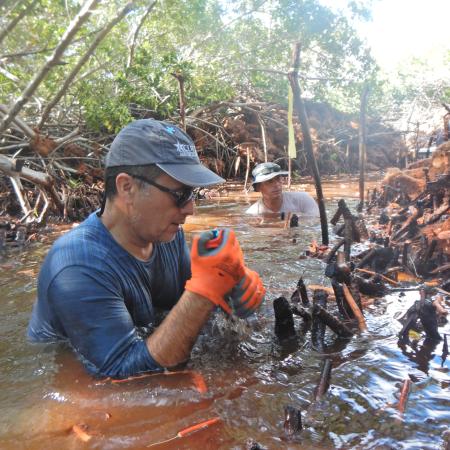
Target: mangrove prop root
<point x="428" y="318"/>
<point x="339" y="271"/>
<point x="371" y="287"/>
<point x="348" y="237"/>
<point x="411" y="318"/>
<point x="333" y="251"/>
<point x="367" y="258"/>
<point x="302" y="312"/>
<point x="292" y="420"/>
<point x="253" y="445"/>
<point x="324" y="382"/>
<point x="284" y="320"/>
<point x="318" y="326"/>
<point x="300" y="293"/>
<point x="444" y="351"/>
<point x="342" y="305"/>
<point x="335" y="325"/>
<point x="426" y="312"/>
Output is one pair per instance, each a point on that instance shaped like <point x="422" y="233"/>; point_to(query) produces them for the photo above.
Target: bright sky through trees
<point x="401" y="29"/>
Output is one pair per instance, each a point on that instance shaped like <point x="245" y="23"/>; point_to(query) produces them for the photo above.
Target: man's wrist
<point x="212" y="298"/>
<point x="172" y="341"/>
<point x="198" y="300"/>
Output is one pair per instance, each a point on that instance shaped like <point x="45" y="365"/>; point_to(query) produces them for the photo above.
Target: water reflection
<point x="250" y="376"/>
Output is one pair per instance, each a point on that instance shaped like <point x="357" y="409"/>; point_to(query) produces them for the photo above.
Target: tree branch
<point x="16" y="20"/>
<point x="136" y="33"/>
<point x="100" y="36"/>
<point x="65" y="41"/>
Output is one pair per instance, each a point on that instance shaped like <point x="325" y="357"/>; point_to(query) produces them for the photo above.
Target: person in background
<point x="268" y="179"/>
<point x="100" y="283"/>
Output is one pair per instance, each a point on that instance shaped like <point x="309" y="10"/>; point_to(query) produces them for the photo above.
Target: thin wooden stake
<point x="356" y="311"/>
<point x="404" y="393"/>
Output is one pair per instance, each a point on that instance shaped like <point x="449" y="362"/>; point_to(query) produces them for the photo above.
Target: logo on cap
<point x="186" y="150"/>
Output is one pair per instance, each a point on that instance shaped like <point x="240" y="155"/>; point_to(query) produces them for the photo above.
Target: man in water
<point x="268" y="179"/>
<point x="101" y="282"/>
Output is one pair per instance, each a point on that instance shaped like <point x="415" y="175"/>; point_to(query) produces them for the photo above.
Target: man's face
<point x="154" y="215"/>
<point x="272" y="189"/>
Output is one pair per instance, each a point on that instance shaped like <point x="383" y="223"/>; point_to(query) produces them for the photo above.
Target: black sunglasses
<point x="182" y="197"/>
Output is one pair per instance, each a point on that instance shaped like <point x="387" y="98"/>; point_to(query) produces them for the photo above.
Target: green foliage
<point x="222" y="49"/>
<point x="102" y="110"/>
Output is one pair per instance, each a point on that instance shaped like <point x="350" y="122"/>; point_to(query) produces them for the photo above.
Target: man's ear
<point x="125" y="185"/>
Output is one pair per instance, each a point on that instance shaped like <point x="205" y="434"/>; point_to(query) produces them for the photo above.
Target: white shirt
<point x="293" y="202"/>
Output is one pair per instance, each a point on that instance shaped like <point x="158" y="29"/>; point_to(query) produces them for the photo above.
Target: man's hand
<point x="247" y="295"/>
<point x="217" y="265"/>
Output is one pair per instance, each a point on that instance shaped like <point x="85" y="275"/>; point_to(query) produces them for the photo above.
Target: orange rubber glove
<point x="247" y="295"/>
<point x="217" y="265"/>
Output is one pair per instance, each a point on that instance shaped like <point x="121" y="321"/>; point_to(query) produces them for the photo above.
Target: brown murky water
<point x="249" y="376"/>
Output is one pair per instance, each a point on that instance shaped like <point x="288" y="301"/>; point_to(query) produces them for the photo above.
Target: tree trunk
<point x="182" y="99"/>
<point x="362" y="144"/>
<point x="65" y="41"/>
<point x="307" y="141"/>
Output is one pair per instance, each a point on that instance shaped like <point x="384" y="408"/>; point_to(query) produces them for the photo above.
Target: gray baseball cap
<point x="150" y="141"/>
<point x="266" y="171"/>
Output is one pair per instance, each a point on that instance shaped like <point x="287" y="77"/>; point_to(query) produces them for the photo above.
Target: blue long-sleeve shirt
<point x="94" y="294"/>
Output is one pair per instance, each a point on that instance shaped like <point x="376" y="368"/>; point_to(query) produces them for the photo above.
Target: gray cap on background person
<point x="150" y="141"/>
<point x="266" y="171"/>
